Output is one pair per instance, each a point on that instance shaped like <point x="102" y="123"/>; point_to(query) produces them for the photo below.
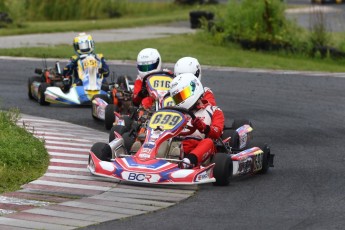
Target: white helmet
<point x="188" y="65"/>
<point x="148" y="61"/>
<point x="185" y="90"/>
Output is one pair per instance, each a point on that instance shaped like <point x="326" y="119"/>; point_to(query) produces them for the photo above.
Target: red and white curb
<point x="67" y="196"/>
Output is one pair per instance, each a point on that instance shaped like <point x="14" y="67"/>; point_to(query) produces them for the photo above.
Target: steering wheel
<point x="190" y="129"/>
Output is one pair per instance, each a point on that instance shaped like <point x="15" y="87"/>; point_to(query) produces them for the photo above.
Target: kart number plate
<point x="168" y="102"/>
<point x="165" y="120"/>
<point x="160" y="82"/>
<point x="90" y="63"/>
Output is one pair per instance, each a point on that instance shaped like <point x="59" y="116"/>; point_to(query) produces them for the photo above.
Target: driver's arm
<point x="105" y="68"/>
<point x="215" y="129"/>
<point x="137" y="97"/>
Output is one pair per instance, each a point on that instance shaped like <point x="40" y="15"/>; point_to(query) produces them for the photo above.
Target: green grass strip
<point x="23" y="157"/>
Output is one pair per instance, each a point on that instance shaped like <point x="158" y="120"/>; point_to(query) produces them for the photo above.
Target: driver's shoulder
<point x="99" y="55"/>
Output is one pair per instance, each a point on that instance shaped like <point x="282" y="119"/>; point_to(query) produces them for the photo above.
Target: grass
<point x="23" y="158"/>
<point x="153" y="14"/>
<point x="173" y="48"/>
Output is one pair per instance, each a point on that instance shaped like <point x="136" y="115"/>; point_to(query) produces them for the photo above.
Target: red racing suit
<point x="138" y="97"/>
<point x="201" y="144"/>
<point x="209" y="96"/>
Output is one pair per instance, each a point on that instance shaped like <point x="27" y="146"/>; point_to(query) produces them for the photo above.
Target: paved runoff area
<point x="68" y="196"/>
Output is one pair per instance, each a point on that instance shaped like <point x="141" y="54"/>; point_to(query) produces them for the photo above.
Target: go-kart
<point x="158" y="161"/>
<point x="48" y="76"/>
<point x="91" y="84"/>
<point x="117" y="101"/>
<point x="134" y="125"/>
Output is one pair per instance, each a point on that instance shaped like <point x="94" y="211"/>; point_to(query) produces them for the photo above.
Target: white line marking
<point x="68" y="143"/>
<point x="68" y="155"/>
<point x="68" y="169"/>
<point x="69" y="185"/>
<point x="68" y="161"/>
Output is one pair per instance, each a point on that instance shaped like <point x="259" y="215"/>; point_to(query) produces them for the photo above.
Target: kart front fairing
<point x="145" y="166"/>
<point x="158" y="85"/>
<point x="77" y="95"/>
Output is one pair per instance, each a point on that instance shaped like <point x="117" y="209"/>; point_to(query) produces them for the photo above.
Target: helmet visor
<point x="84" y="46"/>
<point x="183" y="95"/>
<point x="148" y="67"/>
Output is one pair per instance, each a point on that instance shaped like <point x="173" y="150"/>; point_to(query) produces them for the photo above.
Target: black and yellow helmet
<point x="83" y="44"/>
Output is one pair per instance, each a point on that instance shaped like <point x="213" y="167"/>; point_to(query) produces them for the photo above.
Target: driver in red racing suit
<point x="148" y="61"/>
<point x="187" y="92"/>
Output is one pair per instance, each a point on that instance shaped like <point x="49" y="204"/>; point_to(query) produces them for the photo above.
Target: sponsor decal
<point x="145" y="154"/>
<point x="202" y="176"/>
<point x="141" y="177"/>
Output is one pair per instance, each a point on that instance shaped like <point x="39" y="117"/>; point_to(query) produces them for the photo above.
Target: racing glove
<point x="143" y="92"/>
<point x="65" y="80"/>
<point x="200" y="125"/>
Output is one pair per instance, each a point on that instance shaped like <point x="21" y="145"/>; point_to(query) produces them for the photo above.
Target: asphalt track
<point x="301" y="115"/>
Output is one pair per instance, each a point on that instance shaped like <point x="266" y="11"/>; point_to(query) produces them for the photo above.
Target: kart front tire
<point x="30" y="81"/>
<point x="128" y="140"/>
<point x="222" y="170"/>
<point x="109" y="117"/>
<point x="120" y="129"/>
<point x="102" y="151"/>
<point x="41" y="97"/>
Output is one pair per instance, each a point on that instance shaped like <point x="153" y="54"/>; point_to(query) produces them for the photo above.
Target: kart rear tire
<point x="120" y="129"/>
<point x="102" y="151"/>
<point x="223" y="169"/>
<point x="104" y="97"/>
<point x="41" y="97"/>
<point x="30" y="81"/>
<point x="234" y="140"/>
<point x="128" y="141"/>
<point x="265" y="158"/>
<point x="240" y="122"/>
<point x="109" y="117"/>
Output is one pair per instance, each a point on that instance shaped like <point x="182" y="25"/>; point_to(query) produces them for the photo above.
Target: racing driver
<point x="191" y="65"/>
<point x="83" y="45"/>
<point x="187" y="92"/>
<point x="148" y="61"/>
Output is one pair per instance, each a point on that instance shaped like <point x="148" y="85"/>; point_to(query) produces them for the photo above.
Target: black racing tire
<point x="30" y="81"/>
<point x="41" y="97"/>
<point x="240" y="122"/>
<point x="120" y="129"/>
<point x="109" y="117"/>
<point x="223" y="169"/>
<point x="234" y="140"/>
<point x="102" y="151"/>
<point x="128" y="141"/>
<point x="104" y="97"/>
